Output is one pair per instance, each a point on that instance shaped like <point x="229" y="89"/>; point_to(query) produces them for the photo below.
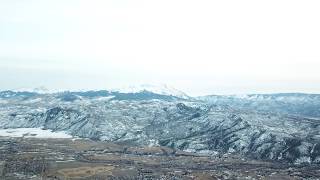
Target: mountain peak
<point x="162" y="89"/>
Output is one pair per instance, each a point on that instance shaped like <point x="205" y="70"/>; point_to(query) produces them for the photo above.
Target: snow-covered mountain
<point x="162" y="89"/>
<point x="157" y="89"/>
<point x="39" y="90"/>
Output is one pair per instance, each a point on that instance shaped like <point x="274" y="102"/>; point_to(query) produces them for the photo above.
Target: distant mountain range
<point x="284" y="103"/>
<point x="298" y="104"/>
<point x="281" y="127"/>
<point x="155" y="89"/>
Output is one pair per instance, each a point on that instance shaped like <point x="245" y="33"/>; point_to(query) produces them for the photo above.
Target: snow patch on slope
<point x="33" y="133"/>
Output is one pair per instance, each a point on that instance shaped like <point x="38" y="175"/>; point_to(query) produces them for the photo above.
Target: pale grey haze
<point x="199" y="46"/>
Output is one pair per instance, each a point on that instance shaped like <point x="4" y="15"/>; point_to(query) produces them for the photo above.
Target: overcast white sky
<point x="199" y="46"/>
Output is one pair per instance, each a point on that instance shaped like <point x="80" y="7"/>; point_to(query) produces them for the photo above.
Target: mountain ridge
<point x="211" y="126"/>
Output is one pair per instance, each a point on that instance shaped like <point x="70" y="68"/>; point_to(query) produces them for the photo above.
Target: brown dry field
<point x="60" y="159"/>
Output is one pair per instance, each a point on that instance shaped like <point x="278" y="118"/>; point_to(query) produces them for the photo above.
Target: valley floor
<point x="34" y="158"/>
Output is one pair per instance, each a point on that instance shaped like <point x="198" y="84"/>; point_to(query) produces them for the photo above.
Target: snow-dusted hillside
<point x="211" y="126"/>
<point x="298" y="104"/>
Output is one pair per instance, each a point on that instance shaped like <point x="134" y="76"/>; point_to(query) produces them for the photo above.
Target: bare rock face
<point x="153" y="120"/>
<point x="2" y="168"/>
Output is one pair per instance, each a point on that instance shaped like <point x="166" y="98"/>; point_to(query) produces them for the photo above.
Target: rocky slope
<point x="150" y="119"/>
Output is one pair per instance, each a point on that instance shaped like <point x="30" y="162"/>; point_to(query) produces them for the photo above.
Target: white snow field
<point x="33" y="133"/>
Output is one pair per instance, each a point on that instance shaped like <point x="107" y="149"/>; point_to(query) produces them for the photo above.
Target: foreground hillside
<point x="149" y="119"/>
